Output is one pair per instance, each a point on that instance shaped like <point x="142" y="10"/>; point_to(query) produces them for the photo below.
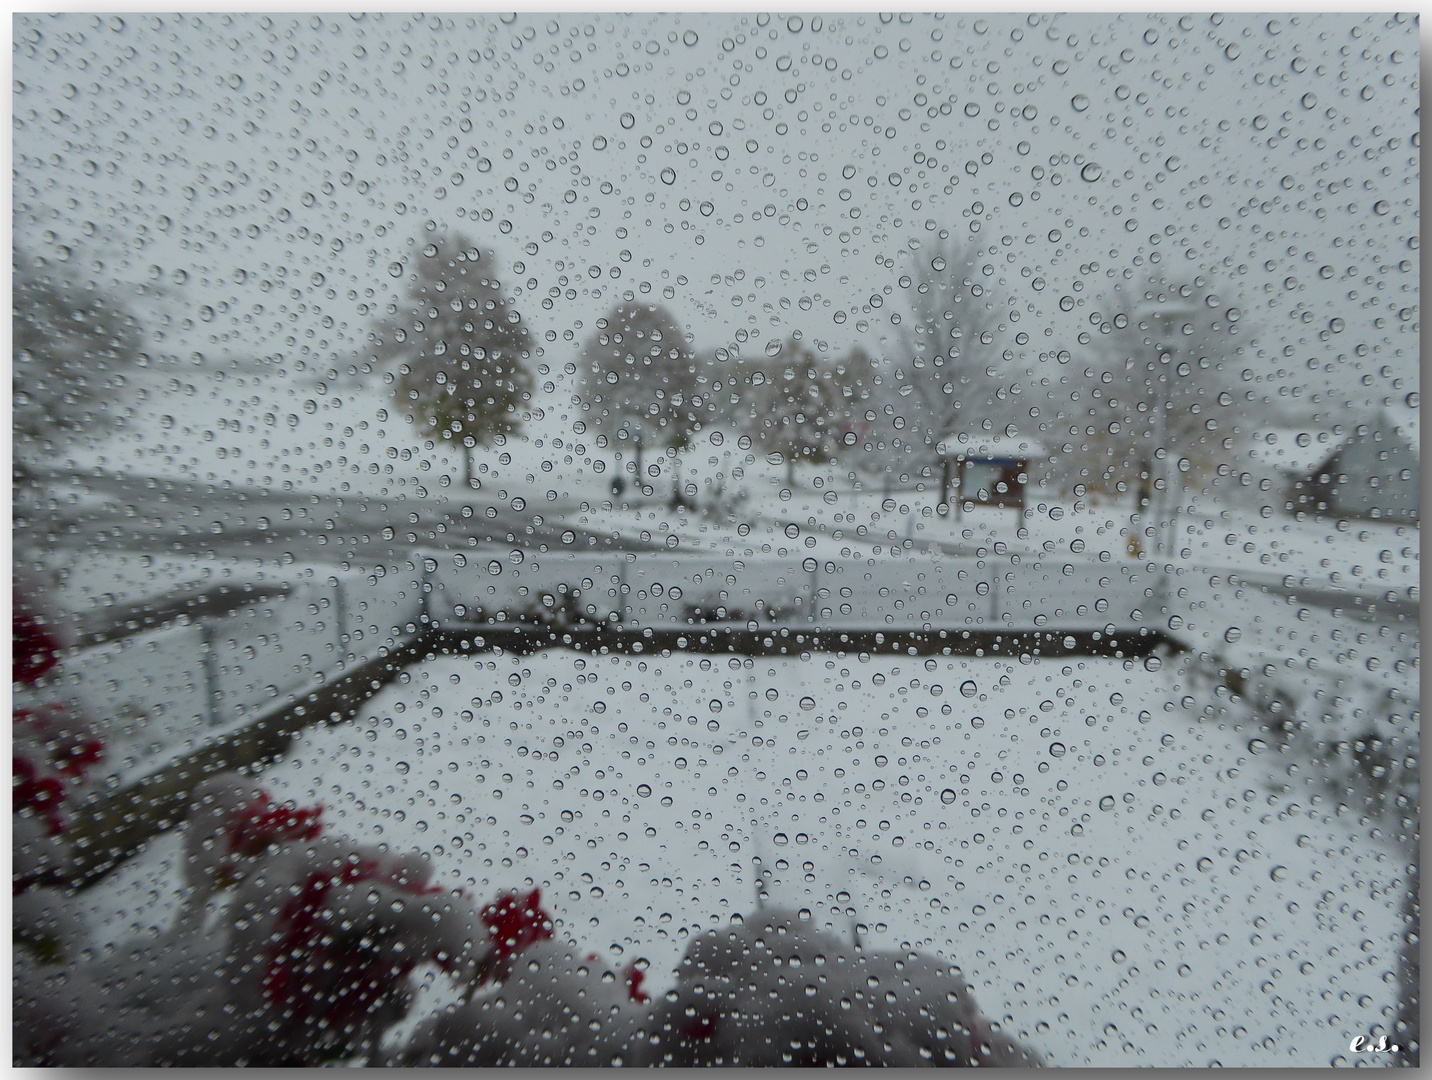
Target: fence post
<point x="340" y="617"/>
<point x="210" y="660"/>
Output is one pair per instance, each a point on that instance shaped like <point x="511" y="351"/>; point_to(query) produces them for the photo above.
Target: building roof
<point x="1300" y="450"/>
<point x="1406" y="421"/>
<point x="1295" y="450"/>
<point x="983" y="445"/>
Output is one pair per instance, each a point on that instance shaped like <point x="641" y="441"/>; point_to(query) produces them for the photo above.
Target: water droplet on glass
<point x="968" y="688"/>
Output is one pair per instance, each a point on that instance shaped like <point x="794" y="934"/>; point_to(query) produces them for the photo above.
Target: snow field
<point x="1111" y="873"/>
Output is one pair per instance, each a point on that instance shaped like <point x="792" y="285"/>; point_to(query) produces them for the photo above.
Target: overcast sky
<point x="266" y="176"/>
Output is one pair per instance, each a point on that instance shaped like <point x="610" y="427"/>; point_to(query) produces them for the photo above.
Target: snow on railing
<point x="661" y="590"/>
<point x="165" y="691"/>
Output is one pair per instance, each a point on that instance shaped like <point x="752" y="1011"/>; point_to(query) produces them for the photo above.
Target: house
<point x="1276" y="460"/>
<point x="986" y="470"/>
<point x="1370" y="468"/>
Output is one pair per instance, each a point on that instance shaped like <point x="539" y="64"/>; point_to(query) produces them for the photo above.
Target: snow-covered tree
<point x="72" y="345"/>
<point x="1156" y="399"/>
<point x="948" y="377"/>
<point x="792" y="403"/>
<point x="638" y="381"/>
<point x="459" y="348"/>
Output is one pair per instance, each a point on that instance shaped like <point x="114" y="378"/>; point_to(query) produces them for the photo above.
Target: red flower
<point x="304" y="946"/>
<point x="77" y="759"/>
<point x="514" y="923"/>
<point x="45" y="795"/>
<point x="253" y="828"/>
<point x="634" y="978"/>
<point x="701" y="1027"/>
<point x="36" y="650"/>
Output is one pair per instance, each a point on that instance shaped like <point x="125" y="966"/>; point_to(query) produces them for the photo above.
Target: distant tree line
<point x="1150" y="374"/>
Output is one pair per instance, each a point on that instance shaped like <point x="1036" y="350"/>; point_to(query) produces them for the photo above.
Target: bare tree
<point x="639" y="380"/>
<point x="948" y="377"/>
<point x="72" y="344"/>
<point x="460" y="348"/>
<point x="1157" y="406"/>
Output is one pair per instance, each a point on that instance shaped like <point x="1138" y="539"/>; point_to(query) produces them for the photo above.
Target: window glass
<point x="728" y="539"/>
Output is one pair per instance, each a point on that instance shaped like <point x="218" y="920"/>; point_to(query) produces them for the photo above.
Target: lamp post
<point x="1163" y="505"/>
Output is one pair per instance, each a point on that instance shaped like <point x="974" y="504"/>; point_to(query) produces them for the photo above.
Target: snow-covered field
<point x="1110" y="868"/>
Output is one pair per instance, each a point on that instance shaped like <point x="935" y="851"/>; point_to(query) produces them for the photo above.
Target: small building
<point x="986" y="470"/>
<point x="1278" y="459"/>
<point x="1373" y="471"/>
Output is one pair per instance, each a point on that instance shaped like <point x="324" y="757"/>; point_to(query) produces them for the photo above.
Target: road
<point x="134" y="513"/>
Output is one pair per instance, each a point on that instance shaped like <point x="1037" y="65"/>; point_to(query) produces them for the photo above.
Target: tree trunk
<point x="468" y="467"/>
<point x="640" y="480"/>
<point x="790" y="470"/>
<point x="944" y="481"/>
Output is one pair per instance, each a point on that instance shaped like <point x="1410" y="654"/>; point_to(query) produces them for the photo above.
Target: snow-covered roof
<point x="990" y="446"/>
<point x="1300" y="450"/>
<point x="1406" y="421"/>
<point x="1292" y="449"/>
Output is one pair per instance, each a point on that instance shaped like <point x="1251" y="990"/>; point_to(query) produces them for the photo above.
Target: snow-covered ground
<point x="1114" y="861"/>
<point x="217" y="426"/>
<point x="1110" y="867"/>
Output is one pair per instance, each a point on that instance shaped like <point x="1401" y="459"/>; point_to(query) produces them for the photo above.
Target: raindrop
<point x="948" y="796"/>
<point x="1079" y="102"/>
<point x="1056" y="749"/>
<point x="968" y="688"/>
<point x="1106" y="803"/>
<point x="1232" y="634"/>
<point x="1091" y="172"/>
<point x="628" y="121"/>
<point x="807" y="704"/>
<point x="668" y="175"/>
<point x="644" y="790"/>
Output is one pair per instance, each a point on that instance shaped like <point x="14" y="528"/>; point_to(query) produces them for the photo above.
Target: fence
<point x="669" y="591"/>
<point x="169" y="690"/>
<point x="165" y="691"/>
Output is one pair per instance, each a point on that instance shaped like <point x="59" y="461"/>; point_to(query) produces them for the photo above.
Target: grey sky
<point x="757" y="174"/>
